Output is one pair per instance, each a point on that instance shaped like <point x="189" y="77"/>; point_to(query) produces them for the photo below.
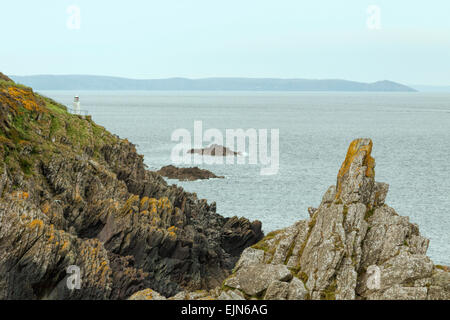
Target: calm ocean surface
<point x="410" y="131"/>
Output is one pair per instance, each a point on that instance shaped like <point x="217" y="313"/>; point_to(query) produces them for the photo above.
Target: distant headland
<point x="90" y="82"/>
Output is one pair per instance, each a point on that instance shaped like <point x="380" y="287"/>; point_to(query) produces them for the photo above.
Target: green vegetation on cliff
<point x="34" y="127"/>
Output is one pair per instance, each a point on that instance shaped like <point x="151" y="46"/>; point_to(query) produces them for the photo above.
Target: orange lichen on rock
<point x="164" y="203"/>
<point x="45" y="207"/>
<point x="172" y="235"/>
<point x="51" y="233"/>
<point x="156" y="221"/>
<point x="144" y="201"/>
<point x="103" y="268"/>
<point x="65" y="245"/>
<point x="36" y="222"/>
<point x="356" y="148"/>
<point x="26" y="98"/>
<point x="147" y="294"/>
<point x="20" y="195"/>
<point x="105" y="271"/>
<point x="7" y="100"/>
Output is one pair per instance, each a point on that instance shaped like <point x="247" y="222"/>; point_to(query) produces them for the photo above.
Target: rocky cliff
<point x="71" y="193"/>
<point x="354" y="246"/>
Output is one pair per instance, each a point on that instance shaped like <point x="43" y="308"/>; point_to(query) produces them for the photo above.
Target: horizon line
<point x="199" y="78"/>
<point x="228" y="77"/>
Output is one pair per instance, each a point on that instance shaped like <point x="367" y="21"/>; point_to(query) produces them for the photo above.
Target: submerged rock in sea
<point x="186" y="174"/>
<point x="73" y="194"/>
<point x="354" y="246"/>
<point x="215" y="150"/>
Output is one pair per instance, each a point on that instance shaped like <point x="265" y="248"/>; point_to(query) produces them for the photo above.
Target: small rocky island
<point x="186" y="174"/>
<point x="215" y="150"/>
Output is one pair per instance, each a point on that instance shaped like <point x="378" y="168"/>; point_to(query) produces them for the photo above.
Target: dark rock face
<point x="186" y="174"/>
<point x="89" y="201"/>
<point x="215" y="150"/>
<point x="239" y="233"/>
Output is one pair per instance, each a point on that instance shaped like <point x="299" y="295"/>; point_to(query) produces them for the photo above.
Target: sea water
<point x="410" y="131"/>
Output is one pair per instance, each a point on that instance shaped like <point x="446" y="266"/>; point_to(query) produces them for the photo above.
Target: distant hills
<point x="88" y="82"/>
<point x="426" y="88"/>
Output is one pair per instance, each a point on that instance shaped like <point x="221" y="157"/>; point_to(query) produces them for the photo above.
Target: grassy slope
<point x="34" y="127"/>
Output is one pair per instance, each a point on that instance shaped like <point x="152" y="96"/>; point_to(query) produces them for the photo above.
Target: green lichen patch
<point x="329" y="293"/>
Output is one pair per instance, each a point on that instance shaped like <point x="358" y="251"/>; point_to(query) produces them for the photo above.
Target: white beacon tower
<point x="76" y="105"/>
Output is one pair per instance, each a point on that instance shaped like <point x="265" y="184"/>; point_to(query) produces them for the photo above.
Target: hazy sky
<point x="232" y="38"/>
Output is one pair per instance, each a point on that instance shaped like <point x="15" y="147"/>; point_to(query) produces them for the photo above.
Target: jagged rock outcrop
<point x="71" y="193"/>
<point x="186" y="174"/>
<point x="354" y="246"/>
